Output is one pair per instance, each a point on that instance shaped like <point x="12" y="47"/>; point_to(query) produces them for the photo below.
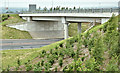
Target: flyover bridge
<point x="54" y="24"/>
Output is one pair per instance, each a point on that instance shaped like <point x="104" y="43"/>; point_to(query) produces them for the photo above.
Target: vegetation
<point x="5" y="17"/>
<point x="12" y="33"/>
<point x="73" y="28"/>
<point x="95" y="50"/>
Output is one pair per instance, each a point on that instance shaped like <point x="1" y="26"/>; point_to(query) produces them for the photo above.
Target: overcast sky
<point x="65" y="3"/>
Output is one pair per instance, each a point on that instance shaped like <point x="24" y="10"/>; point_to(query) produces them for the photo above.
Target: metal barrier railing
<point x="107" y="10"/>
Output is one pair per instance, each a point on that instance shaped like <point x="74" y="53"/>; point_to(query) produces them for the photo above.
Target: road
<point x="25" y="43"/>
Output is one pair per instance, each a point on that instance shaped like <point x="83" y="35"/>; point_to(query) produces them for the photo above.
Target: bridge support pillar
<point x="65" y="30"/>
<point x="79" y="27"/>
<point x="65" y="27"/>
<point x="29" y="19"/>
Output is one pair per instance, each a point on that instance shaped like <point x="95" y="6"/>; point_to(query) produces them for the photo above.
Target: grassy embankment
<point x="12" y="33"/>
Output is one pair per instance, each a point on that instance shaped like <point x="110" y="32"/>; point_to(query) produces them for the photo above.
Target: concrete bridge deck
<point x="98" y="15"/>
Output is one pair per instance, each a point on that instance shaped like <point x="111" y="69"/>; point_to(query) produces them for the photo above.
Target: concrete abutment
<point x="45" y="29"/>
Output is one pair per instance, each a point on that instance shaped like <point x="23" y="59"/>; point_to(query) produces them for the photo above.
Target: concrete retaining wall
<point x="45" y="29"/>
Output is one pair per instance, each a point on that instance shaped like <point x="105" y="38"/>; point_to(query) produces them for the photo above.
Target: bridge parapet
<point x="100" y="10"/>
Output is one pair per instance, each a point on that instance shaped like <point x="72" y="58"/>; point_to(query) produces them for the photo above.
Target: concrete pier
<point x="65" y="30"/>
<point x="29" y="19"/>
<point x="79" y="28"/>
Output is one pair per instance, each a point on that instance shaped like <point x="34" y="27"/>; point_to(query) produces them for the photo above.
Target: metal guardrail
<point x="107" y="10"/>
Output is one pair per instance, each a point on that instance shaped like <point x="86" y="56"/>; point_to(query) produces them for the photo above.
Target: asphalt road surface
<point x="25" y="43"/>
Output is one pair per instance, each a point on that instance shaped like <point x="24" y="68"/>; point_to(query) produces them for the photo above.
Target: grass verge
<point x="12" y="33"/>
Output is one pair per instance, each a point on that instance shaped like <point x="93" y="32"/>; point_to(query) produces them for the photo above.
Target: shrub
<point x="16" y="68"/>
<point x="37" y="67"/>
<point x="28" y="67"/>
<point x="56" y="53"/>
<point x="60" y="62"/>
<point x="42" y="62"/>
<point x="51" y="51"/>
<point x="4" y="17"/>
<point x="72" y="54"/>
<point x="55" y="69"/>
<point x="56" y="56"/>
<point x="82" y="58"/>
<point x="91" y="43"/>
<point x="43" y="52"/>
<point x="91" y="64"/>
<point x="67" y="44"/>
<point x="65" y="68"/>
<point x="86" y="39"/>
<point x="8" y="15"/>
<point x="105" y="27"/>
<point x="113" y="64"/>
<point x="47" y="55"/>
<point x="76" y="55"/>
<point x="51" y="61"/>
<point x="18" y="62"/>
<point x="61" y="45"/>
<point x="47" y="66"/>
<point x="56" y="47"/>
<point x="8" y="68"/>
<point x="98" y="49"/>
<point x="61" y="53"/>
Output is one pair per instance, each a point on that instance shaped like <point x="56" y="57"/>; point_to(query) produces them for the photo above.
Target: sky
<point x="62" y="3"/>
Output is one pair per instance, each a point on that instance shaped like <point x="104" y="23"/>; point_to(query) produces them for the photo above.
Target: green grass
<point x="14" y="18"/>
<point x="11" y="33"/>
<point x="73" y="30"/>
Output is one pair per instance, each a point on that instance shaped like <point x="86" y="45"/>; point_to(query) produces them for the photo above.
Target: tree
<point x="70" y="8"/>
<point x="62" y="8"/>
<point x="74" y="7"/>
<point x="51" y="9"/>
<point x="57" y="8"/>
<point x="66" y="8"/>
<point x="39" y="8"/>
<point x="45" y="8"/>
